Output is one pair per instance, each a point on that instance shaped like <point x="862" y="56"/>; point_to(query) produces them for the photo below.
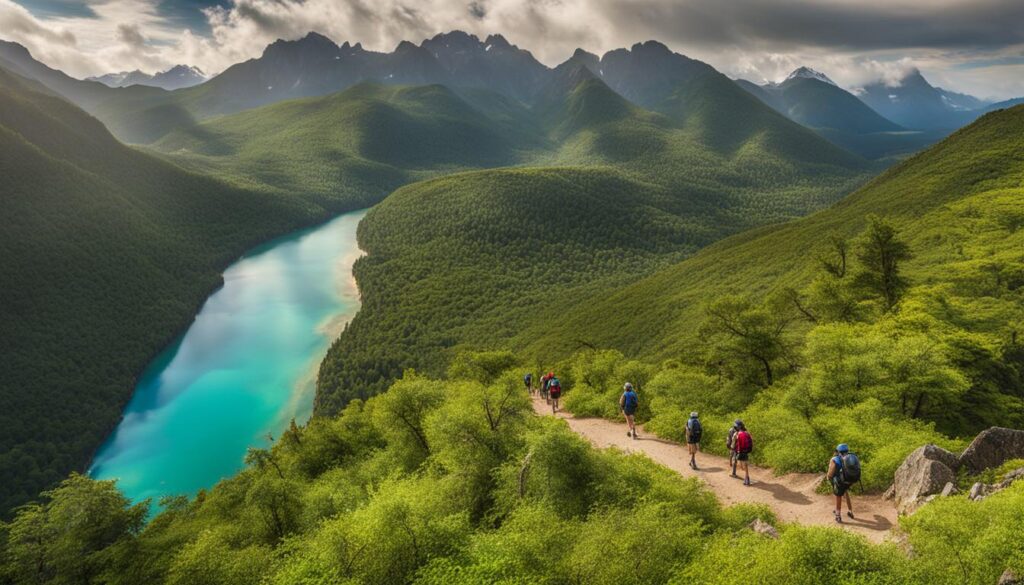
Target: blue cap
<point x="843" y="448"/>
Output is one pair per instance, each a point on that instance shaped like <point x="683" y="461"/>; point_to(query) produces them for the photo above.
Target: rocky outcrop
<point x="925" y="472"/>
<point x="1009" y="578"/>
<point x="993" y="447"/>
<point x="979" y="491"/>
<point x="761" y="527"/>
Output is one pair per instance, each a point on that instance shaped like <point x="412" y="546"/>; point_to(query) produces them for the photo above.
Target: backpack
<point x="554" y="386"/>
<point x="527" y="378"/>
<point x="631" y="400"/>
<point x="744" y="442"/>
<point x="849" y="470"/>
<point x="696" y="430"/>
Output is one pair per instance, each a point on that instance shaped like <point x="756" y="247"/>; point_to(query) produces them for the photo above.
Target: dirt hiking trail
<point x="791" y="496"/>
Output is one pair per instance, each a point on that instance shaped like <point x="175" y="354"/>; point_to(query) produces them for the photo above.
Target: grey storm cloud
<point x="863" y="25"/>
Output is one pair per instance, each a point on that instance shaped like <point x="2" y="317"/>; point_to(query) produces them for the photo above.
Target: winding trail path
<point x="791" y="496"/>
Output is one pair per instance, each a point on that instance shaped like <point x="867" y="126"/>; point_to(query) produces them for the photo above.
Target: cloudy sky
<point x="975" y="46"/>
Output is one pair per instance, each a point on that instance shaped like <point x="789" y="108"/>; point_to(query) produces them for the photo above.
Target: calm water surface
<point x="245" y="367"/>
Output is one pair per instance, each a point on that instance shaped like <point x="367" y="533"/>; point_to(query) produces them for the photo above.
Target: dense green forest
<point x="456" y="481"/>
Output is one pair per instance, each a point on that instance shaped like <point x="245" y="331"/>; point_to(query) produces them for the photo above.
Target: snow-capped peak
<point x="808" y="73"/>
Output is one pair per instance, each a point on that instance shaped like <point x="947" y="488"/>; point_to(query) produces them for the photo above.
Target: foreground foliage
<point x="456" y="481"/>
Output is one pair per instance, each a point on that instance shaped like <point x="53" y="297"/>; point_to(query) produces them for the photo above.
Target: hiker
<point x="730" y="443"/>
<point x="693" y="434"/>
<point x="528" y="380"/>
<point x="743" y="445"/>
<point x="555" y="392"/>
<point x="843" y="472"/>
<point x="544" y="386"/>
<point x="628" y="404"/>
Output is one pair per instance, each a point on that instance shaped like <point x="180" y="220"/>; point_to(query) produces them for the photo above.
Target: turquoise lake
<point x="244" y="368"/>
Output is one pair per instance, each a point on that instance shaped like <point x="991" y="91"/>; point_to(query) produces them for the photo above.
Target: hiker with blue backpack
<point x="528" y="380"/>
<point x="628" y="403"/>
<point x="843" y="472"/>
<point x="694" y="431"/>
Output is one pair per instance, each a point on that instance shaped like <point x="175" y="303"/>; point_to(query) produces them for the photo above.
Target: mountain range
<point x="899" y="118"/>
<point x="176" y="77"/>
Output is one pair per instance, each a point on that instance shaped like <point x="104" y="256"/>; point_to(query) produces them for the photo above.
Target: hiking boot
<point x="629" y="433"/>
<point x="839" y="518"/>
<point x="746" y="482"/>
<point x="850" y="514"/>
<point x="733" y="474"/>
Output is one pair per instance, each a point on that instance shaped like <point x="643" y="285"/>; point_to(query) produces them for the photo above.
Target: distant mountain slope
<point x="105" y="252"/>
<point x="813" y="100"/>
<point x="914" y="103"/>
<point x="361" y="143"/>
<point x="1004" y="104"/>
<point x="819" y="104"/>
<point x="176" y="77"/>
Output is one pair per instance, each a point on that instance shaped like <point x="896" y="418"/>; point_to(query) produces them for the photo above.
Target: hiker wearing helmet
<point x="628" y="404"/>
<point x="843" y="472"/>
<point x="742" y="446"/>
<point x="693" y="434"/>
<point x="730" y="443"/>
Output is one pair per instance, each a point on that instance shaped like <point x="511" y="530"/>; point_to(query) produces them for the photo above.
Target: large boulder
<point x="992" y="448"/>
<point x="923" y="473"/>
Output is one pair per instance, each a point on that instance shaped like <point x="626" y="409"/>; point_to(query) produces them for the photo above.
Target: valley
<point x="258" y="324"/>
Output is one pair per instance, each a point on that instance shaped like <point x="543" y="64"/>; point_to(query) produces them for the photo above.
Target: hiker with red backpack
<point x="843" y="472"/>
<point x="743" y="445"/>
<point x="628" y="403"/>
<point x="555" y="392"/>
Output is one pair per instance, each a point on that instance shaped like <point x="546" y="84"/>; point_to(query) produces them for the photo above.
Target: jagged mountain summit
<point x="808" y="73"/>
<point x="177" y="77"/>
<point x="915" y="103"/>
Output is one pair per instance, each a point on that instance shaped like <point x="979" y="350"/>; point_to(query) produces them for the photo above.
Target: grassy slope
<point x="105" y="253"/>
<point x="472" y="258"/>
<point x="955" y="204"/>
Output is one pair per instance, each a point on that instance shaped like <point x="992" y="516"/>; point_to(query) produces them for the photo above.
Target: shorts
<point x="555" y="395"/>
<point x="742" y="456"/>
<point x="629" y="411"/>
<point x="693" y="441"/>
<point x="839" y="488"/>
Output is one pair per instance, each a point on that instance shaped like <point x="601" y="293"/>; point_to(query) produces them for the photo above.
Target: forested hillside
<point x="633" y="190"/>
<point x="888" y="320"/>
<point x="105" y="253"/>
<point x="361" y="143"/>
